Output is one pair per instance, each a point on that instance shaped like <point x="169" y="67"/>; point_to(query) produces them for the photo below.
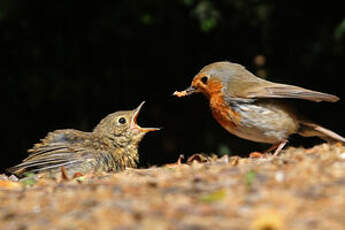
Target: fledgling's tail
<point x="309" y="129"/>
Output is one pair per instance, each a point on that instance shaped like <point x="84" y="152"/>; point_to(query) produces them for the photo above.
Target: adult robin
<point x="256" y="109"/>
<point x="111" y="146"/>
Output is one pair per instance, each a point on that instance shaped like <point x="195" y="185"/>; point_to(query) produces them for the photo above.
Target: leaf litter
<point x="299" y="189"/>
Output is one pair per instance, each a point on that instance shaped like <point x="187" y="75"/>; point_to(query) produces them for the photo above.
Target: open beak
<point x="134" y="123"/>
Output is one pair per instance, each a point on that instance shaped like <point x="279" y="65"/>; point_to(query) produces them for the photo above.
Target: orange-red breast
<point x="111" y="146"/>
<point x="255" y="109"/>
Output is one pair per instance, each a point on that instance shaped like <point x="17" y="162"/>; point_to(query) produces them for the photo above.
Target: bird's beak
<point x="190" y="90"/>
<point x="134" y="123"/>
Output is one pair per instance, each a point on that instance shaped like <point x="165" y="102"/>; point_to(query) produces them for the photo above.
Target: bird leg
<point x="277" y="147"/>
<point x="280" y="147"/>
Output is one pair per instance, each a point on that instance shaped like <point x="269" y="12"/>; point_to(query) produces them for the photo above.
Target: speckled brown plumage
<point x="111" y="146"/>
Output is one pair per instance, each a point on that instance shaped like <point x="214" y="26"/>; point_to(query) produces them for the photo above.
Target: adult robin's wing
<point x="274" y="90"/>
<point x="248" y="86"/>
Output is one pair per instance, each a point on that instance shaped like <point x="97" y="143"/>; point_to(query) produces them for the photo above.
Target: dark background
<point x="67" y="64"/>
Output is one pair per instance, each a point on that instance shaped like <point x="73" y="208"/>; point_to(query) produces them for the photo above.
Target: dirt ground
<point x="299" y="189"/>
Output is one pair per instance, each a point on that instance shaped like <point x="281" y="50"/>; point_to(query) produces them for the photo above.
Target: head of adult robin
<point x="211" y="79"/>
<point x="111" y="146"/>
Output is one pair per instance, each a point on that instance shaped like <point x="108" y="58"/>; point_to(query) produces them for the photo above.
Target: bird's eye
<point x="204" y="79"/>
<point x="122" y="120"/>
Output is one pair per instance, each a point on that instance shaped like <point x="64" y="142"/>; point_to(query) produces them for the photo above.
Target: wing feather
<point x="59" y="148"/>
<point x="243" y="84"/>
<point x="288" y="91"/>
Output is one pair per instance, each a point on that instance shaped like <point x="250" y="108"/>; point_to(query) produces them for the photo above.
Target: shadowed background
<point x="69" y="64"/>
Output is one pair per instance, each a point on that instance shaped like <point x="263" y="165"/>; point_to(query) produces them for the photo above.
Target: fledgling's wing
<point x="57" y="149"/>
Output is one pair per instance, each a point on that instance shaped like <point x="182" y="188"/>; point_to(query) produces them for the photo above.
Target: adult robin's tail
<point x="309" y="129"/>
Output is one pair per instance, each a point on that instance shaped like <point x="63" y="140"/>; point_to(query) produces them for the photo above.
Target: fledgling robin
<point x="253" y="108"/>
<point x="111" y="146"/>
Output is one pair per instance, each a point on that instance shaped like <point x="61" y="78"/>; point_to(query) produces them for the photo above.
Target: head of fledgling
<point x="122" y="128"/>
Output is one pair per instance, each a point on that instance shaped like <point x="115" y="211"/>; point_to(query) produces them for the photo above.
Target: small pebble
<point x="279" y="176"/>
<point x="13" y="178"/>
